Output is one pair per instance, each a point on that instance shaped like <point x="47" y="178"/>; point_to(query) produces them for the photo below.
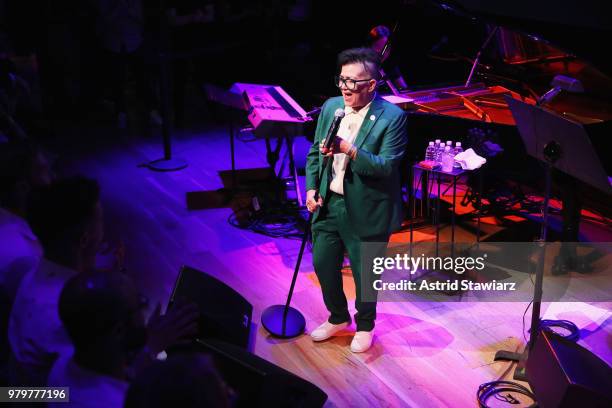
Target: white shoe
<point x="362" y="341"/>
<point x="326" y="330"/>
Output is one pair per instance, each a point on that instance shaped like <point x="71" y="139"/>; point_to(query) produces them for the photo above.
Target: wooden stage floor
<point x="425" y="354"/>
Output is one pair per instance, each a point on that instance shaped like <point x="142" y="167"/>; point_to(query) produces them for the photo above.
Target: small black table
<point x="424" y="183"/>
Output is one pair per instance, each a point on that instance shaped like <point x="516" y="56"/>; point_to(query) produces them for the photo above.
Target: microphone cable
<point x="496" y="388"/>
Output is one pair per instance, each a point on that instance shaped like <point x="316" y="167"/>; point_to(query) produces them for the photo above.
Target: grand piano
<point x="524" y="46"/>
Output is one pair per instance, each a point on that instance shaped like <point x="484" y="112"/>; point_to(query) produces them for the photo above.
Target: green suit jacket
<point x="372" y="191"/>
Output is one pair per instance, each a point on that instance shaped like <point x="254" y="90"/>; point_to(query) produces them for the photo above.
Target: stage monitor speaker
<point x="224" y="313"/>
<point x="260" y="383"/>
<point x="563" y="374"/>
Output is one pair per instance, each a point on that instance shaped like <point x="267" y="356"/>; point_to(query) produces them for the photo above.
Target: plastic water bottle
<point x="430" y="152"/>
<point x="447" y="159"/>
<point x="449" y="143"/>
<point x="436" y="147"/>
<point x="458" y="149"/>
<point x="439" y="152"/>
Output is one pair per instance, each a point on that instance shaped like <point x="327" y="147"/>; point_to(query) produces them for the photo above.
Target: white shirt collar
<point x="361" y="112"/>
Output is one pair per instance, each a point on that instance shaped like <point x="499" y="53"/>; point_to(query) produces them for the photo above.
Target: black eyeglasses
<point x="350" y="84"/>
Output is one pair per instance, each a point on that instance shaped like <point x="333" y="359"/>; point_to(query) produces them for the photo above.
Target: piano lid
<point x="581" y="28"/>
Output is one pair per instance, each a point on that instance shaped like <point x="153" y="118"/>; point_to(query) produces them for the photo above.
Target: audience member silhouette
<point x="23" y="166"/>
<point x="102" y="313"/>
<point x="66" y="216"/>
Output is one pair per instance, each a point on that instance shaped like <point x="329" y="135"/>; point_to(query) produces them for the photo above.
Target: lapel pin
<point x="372" y="117"/>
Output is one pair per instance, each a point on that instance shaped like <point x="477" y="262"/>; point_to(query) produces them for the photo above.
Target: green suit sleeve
<point x="390" y="155"/>
<point x="313" y="157"/>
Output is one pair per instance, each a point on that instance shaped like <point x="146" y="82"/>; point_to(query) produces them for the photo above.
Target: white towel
<point x="469" y="160"/>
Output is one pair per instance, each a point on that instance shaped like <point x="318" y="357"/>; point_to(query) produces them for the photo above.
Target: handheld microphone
<point x="333" y="129"/>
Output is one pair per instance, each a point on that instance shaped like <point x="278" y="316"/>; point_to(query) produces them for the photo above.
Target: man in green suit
<point x="359" y="197"/>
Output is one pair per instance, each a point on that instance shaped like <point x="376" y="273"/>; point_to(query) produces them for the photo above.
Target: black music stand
<point x="237" y="99"/>
<point x="197" y="200"/>
<point x="237" y="105"/>
<point x="167" y="163"/>
<point x="562" y="144"/>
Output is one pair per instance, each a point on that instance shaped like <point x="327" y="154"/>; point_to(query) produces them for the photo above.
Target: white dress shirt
<point x="88" y="389"/>
<point x="348" y="130"/>
<point x="36" y="333"/>
<point x="20" y="252"/>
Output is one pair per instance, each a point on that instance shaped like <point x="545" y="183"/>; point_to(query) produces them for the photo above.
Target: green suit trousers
<point x="331" y="235"/>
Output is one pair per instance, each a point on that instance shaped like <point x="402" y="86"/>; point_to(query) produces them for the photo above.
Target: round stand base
<point x="167" y="164"/>
<point x="272" y="320"/>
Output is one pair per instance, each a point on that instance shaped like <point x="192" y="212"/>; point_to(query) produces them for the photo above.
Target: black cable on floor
<point x="276" y="222"/>
<point x="496" y="388"/>
<point x="574" y="332"/>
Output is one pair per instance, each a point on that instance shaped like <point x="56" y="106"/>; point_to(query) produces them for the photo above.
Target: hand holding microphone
<point x="327" y="147"/>
<point x="339" y="145"/>
<point x="330" y="144"/>
<point x="333" y="144"/>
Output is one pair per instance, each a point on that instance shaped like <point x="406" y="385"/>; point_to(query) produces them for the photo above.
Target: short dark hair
<point x="63" y="210"/>
<point x="366" y="56"/>
<point x="92" y="303"/>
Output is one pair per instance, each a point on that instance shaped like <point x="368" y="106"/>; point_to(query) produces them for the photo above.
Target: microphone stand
<point x="285" y="321"/>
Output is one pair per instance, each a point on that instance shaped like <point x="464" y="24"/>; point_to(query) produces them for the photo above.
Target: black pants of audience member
<point x="144" y="72"/>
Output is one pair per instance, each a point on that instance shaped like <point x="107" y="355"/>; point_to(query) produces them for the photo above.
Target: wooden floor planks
<point x="425" y="354"/>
